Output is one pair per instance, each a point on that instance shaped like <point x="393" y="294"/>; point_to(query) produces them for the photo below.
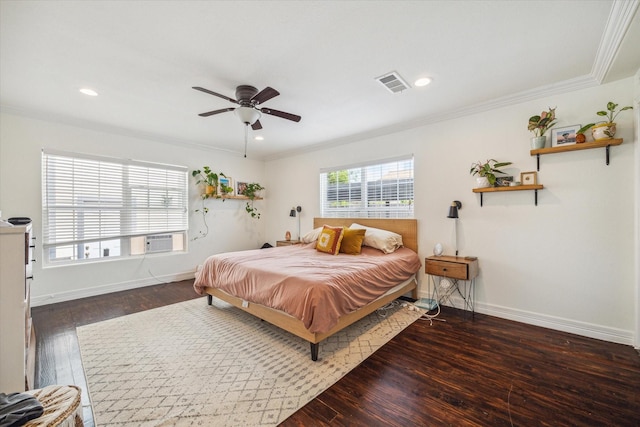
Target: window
<point x="382" y="189"/>
<point x="95" y="207"/>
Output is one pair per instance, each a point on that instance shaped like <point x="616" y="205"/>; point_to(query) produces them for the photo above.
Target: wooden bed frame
<point x="407" y="228"/>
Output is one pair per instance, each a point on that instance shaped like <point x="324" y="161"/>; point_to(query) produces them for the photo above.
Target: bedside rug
<point x="194" y="364"/>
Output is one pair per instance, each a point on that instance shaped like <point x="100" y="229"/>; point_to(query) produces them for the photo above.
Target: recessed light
<point x="422" y="82"/>
<point x="88" y="91"/>
<point x="259" y="138"/>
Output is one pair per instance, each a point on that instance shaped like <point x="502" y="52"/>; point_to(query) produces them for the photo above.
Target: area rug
<point x="194" y="364"/>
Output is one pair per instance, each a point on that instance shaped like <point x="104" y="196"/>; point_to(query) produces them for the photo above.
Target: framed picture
<point x="226" y="182"/>
<point x="529" y="178"/>
<point x="240" y="187"/>
<point x="564" y="136"/>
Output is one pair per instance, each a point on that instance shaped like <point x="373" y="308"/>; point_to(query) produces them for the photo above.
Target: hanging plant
<point x="204" y="211"/>
<point x="250" y="191"/>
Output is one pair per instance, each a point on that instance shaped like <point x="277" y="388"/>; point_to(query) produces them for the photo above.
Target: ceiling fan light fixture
<point x="248" y="115"/>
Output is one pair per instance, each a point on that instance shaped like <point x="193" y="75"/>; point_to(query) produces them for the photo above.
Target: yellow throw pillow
<point x="352" y="241"/>
<point x="329" y="240"/>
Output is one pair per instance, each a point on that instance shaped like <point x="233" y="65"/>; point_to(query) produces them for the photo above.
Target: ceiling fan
<point x="248" y="100"/>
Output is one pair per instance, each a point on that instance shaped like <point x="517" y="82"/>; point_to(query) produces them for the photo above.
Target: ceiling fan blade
<point x="211" y="113"/>
<point x="257" y="125"/>
<point x="264" y="95"/>
<point x="281" y="114"/>
<point x="201" y="89"/>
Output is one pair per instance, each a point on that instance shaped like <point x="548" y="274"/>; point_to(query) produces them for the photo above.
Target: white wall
<point x="568" y="263"/>
<point x="21" y="142"/>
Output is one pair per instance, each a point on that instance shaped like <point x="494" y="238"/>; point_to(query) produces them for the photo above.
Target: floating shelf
<point x="230" y="196"/>
<point x="534" y="188"/>
<point x="606" y="143"/>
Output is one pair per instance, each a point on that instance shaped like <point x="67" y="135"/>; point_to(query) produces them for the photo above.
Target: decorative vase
<point x="482" y="182"/>
<point x="603" y="131"/>
<point x="287" y="236"/>
<point x="538" y="142"/>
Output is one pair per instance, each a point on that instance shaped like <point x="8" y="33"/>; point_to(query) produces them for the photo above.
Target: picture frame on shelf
<point x="226" y="181"/>
<point x="563" y="136"/>
<point x="529" y="178"/>
<point x="240" y="187"/>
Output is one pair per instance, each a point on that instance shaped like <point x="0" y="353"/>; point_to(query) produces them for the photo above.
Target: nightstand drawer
<point x="447" y="269"/>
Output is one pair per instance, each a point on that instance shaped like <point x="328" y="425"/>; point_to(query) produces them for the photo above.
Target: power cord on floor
<point x="384" y="310"/>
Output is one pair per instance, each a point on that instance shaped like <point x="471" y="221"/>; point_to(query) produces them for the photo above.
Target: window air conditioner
<point x="159" y="243"/>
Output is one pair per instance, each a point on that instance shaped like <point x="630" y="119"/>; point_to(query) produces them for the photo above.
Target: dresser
<point x="17" y="336"/>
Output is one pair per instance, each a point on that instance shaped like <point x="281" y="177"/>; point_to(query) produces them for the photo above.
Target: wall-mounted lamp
<point x="293" y="214"/>
<point x="453" y="209"/>
<point x="453" y="213"/>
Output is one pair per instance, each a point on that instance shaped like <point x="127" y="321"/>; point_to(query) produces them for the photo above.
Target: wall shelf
<point x="230" y="196"/>
<point x="534" y="188"/>
<point x="576" y="147"/>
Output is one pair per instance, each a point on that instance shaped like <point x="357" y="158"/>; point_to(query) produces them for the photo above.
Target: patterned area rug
<point x="194" y="364"/>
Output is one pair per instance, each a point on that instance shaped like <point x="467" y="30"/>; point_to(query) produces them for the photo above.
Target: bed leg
<point x="209" y="299"/>
<point x="314" y="351"/>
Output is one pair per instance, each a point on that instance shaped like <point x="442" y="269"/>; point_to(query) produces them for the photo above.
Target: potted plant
<point x="606" y="130"/>
<point x="209" y="179"/>
<point x="225" y="189"/>
<point x="251" y="192"/>
<point x="580" y="136"/>
<point x="539" y="125"/>
<point x="487" y="171"/>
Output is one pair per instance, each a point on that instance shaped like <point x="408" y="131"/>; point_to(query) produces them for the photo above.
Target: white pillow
<point x="312" y="235"/>
<point x="386" y="241"/>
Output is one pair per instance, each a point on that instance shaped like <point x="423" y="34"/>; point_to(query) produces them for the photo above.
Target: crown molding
<point x="618" y="22"/>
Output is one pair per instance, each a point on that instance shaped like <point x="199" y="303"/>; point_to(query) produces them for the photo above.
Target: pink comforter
<point x="315" y="287"/>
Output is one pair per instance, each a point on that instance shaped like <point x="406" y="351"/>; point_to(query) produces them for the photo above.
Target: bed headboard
<point x="407" y="228"/>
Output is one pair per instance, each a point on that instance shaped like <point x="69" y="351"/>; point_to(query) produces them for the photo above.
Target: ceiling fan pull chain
<point x="246" y="135"/>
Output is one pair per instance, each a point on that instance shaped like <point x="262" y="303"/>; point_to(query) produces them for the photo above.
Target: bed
<point x="318" y="313"/>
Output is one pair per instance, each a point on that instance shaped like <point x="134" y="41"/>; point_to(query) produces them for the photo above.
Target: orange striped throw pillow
<point x="329" y="239"/>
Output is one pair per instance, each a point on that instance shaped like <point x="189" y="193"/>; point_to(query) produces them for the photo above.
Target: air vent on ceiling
<point x="393" y="82"/>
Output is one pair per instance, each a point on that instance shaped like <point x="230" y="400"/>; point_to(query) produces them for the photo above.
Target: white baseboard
<point x="585" y="329"/>
<point x="106" y="289"/>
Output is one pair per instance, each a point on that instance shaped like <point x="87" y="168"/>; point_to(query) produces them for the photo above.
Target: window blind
<point x="382" y="189"/>
<point x="88" y="198"/>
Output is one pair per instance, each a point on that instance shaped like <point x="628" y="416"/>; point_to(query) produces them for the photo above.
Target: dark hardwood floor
<point x="461" y="371"/>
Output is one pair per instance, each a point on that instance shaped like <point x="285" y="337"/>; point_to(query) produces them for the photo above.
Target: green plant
<point x="250" y="191"/>
<point x="225" y="189"/>
<point x="209" y="178"/>
<point x="488" y="169"/>
<point x="611" y="113"/>
<point x="585" y="128"/>
<point x="542" y="123"/>
<point x="204" y="211"/>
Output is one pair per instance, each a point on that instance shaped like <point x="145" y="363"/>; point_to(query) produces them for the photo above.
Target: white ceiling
<point x="323" y="57"/>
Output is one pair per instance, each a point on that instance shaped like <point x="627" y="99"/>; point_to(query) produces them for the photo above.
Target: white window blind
<point x="382" y="189"/>
<point x="89" y="199"/>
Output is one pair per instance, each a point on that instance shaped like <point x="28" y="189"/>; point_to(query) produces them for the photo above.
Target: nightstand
<point x="287" y="242"/>
<point x="450" y="275"/>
